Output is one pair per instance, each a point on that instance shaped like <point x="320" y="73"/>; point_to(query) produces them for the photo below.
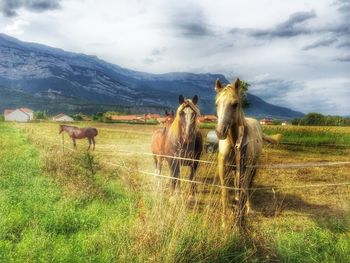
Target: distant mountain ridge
<point x="52" y="79"/>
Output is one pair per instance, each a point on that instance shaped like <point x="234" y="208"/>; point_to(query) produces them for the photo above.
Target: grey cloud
<point x="296" y="95"/>
<point x="344" y="44"/>
<point x="340" y="29"/>
<point x="344" y="58"/>
<point x="321" y="43"/>
<point x="9" y="7"/>
<point x="272" y="89"/>
<point x="150" y="60"/>
<point x="293" y="26"/>
<point x="190" y="22"/>
<point x="158" y="51"/>
<point x="343" y="7"/>
<point x="156" y="56"/>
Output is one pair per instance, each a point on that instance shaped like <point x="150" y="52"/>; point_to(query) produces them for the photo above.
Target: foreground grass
<point x="72" y="207"/>
<point x="39" y="223"/>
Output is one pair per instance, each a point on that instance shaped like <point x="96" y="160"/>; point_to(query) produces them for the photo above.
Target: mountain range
<point x="51" y="79"/>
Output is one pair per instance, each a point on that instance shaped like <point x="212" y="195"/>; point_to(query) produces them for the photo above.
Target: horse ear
<point x="195" y="99"/>
<point x="237" y="84"/>
<point x="181" y="99"/>
<point x="166" y="113"/>
<point x="218" y="85"/>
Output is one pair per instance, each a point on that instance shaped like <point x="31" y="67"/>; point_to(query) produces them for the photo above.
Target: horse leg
<point x="74" y="143"/>
<point x="93" y="141"/>
<point x="194" y="167"/>
<point x="89" y="144"/>
<point x="249" y="207"/>
<point x="175" y="173"/>
<point x="242" y="205"/>
<point x="160" y="165"/>
<point x="155" y="158"/>
<point x="221" y="170"/>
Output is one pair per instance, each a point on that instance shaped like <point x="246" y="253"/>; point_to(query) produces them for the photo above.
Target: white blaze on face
<point x="189" y="114"/>
<point x="220" y="108"/>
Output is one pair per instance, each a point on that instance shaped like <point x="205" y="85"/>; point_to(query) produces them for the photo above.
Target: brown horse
<point x="80" y="133"/>
<point x="240" y="145"/>
<point x="158" y="139"/>
<point x="184" y="140"/>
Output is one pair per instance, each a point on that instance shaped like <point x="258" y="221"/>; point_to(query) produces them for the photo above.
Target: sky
<point x="295" y="53"/>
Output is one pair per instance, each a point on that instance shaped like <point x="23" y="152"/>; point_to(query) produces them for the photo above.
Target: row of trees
<point x="317" y="119"/>
<point x="99" y="116"/>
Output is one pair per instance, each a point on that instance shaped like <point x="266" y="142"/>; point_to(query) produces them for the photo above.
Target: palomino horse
<point x="80" y="133"/>
<point x="240" y="145"/>
<point x="184" y="140"/>
<point x="158" y="140"/>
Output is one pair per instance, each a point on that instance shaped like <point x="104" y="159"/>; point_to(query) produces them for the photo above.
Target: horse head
<point x="187" y="114"/>
<point x="60" y="129"/>
<point x="228" y="107"/>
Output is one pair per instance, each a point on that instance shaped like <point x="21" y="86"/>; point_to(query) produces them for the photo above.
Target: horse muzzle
<point x="221" y="133"/>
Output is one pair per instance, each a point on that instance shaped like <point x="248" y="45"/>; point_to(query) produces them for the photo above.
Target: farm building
<point x="136" y="118"/>
<point x="151" y="116"/>
<point x="208" y="118"/>
<point x="266" y="121"/>
<point x="20" y="115"/>
<point x="163" y="119"/>
<point x="62" y="118"/>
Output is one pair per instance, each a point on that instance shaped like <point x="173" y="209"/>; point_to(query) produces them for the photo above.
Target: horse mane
<point x="175" y="127"/>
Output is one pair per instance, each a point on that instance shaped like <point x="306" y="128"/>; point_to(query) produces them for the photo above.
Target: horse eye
<point x="235" y="105"/>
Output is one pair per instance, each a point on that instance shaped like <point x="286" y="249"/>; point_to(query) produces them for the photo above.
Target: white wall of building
<point x="18" y="115"/>
<point x="64" y="118"/>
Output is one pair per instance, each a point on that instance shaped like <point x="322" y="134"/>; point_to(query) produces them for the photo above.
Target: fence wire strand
<point x="271" y="166"/>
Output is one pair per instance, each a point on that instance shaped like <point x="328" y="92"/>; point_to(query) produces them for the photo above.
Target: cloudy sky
<point x="295" y="53"/>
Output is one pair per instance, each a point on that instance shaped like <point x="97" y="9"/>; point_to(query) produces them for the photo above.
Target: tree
<point x="40" y="115"/>
<point x="244" y="89"/>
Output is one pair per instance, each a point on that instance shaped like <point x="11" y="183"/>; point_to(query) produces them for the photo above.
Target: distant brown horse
<point x="240" y="144"/>
<point x="158" y="140"/>
<point x="80" y="133"/>
<point x="184" y="140"/>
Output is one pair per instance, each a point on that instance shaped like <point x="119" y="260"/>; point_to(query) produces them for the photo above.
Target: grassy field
<point x="61" y="205"/>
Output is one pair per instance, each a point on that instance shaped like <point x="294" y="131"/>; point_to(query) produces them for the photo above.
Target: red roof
<point x="164" y="119"/>
<point x="153" y="116"/>
<point x="126" y="117"/>
<point x="7" y="111"/>
<point x="266" y="120"/>
<point x="26" y="110"/>
<point x="208" y="118"/>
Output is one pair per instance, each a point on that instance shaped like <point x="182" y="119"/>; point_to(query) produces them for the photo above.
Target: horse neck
<point x="235" y="129"/>
<point x="68" y="129"/>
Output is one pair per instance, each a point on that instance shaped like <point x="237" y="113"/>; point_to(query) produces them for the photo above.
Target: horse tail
<point x="96" y="131"/>
<point x="274" y="139"/>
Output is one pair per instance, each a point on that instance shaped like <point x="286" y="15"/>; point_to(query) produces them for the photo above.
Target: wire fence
<point x="113" y="149"/>
<point x="223" y="186"/>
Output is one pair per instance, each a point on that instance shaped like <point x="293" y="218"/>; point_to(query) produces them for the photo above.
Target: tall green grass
<point x="312" y="136"/>
<point x="38" y="223"/>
